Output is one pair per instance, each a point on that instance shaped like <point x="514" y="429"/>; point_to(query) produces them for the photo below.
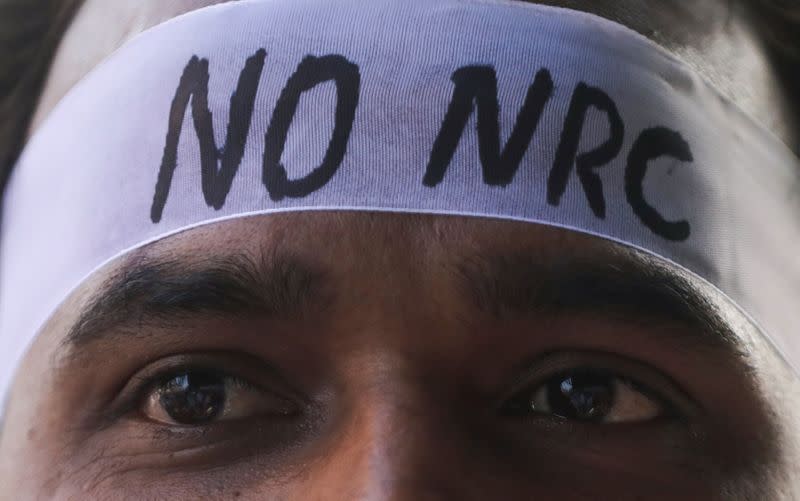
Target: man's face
<point x="367" y="356"/>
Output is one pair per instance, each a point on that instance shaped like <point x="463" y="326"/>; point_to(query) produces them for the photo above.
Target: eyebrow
<point x="608" y="285"/>
<point x="613" y="286"/>
<point x="148" y="290"/>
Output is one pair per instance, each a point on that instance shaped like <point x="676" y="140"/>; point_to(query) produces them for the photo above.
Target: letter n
<point x="218" y="166"/>
<point x="478" y="84"/>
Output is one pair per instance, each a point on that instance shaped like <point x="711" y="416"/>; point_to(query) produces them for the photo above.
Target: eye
<point x="196" y="397"/>
<point x="589" y="395"/>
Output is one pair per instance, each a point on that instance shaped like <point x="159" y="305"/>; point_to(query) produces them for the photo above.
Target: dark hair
<point x="30" y="31"/>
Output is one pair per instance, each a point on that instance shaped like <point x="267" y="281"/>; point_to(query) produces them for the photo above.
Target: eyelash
<point x="134" y="393"/>
<point x="675" y="403"/>
<point x="152" y="383"/>
<point x="513" y="405"/>
<point x="149" y="384"/>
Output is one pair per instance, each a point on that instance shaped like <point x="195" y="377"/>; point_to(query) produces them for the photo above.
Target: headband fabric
<point x="473" y="107"/>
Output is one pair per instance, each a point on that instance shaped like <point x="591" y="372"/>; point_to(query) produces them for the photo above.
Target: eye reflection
<point x="588" y="395"/>
<point x="200" y="397"/>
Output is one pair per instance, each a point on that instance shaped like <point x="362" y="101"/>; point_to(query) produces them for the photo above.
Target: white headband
<point x="485" y="108"/>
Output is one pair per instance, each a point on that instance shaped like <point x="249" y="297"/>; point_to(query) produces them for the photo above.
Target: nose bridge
<point x="393" y="445"/>
<point x="394" y="422"/>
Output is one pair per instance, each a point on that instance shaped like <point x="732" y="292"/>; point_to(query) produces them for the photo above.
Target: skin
<point x="389" y="381"/>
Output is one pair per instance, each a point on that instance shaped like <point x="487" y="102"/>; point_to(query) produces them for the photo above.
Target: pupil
<point x="193" y="397"/>
<point x="587" y="396"/>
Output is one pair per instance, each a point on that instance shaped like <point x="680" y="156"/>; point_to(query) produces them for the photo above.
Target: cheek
<point x="360" y="469"/>
<point x="32" y="461"/>
<point x="33" y="451"/>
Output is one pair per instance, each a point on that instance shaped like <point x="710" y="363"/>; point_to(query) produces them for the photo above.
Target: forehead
<point x="361" y="244"/>
<point x="432" y="254"/>
<point x="650" y="16"/>
<point x="345" y="229"/>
